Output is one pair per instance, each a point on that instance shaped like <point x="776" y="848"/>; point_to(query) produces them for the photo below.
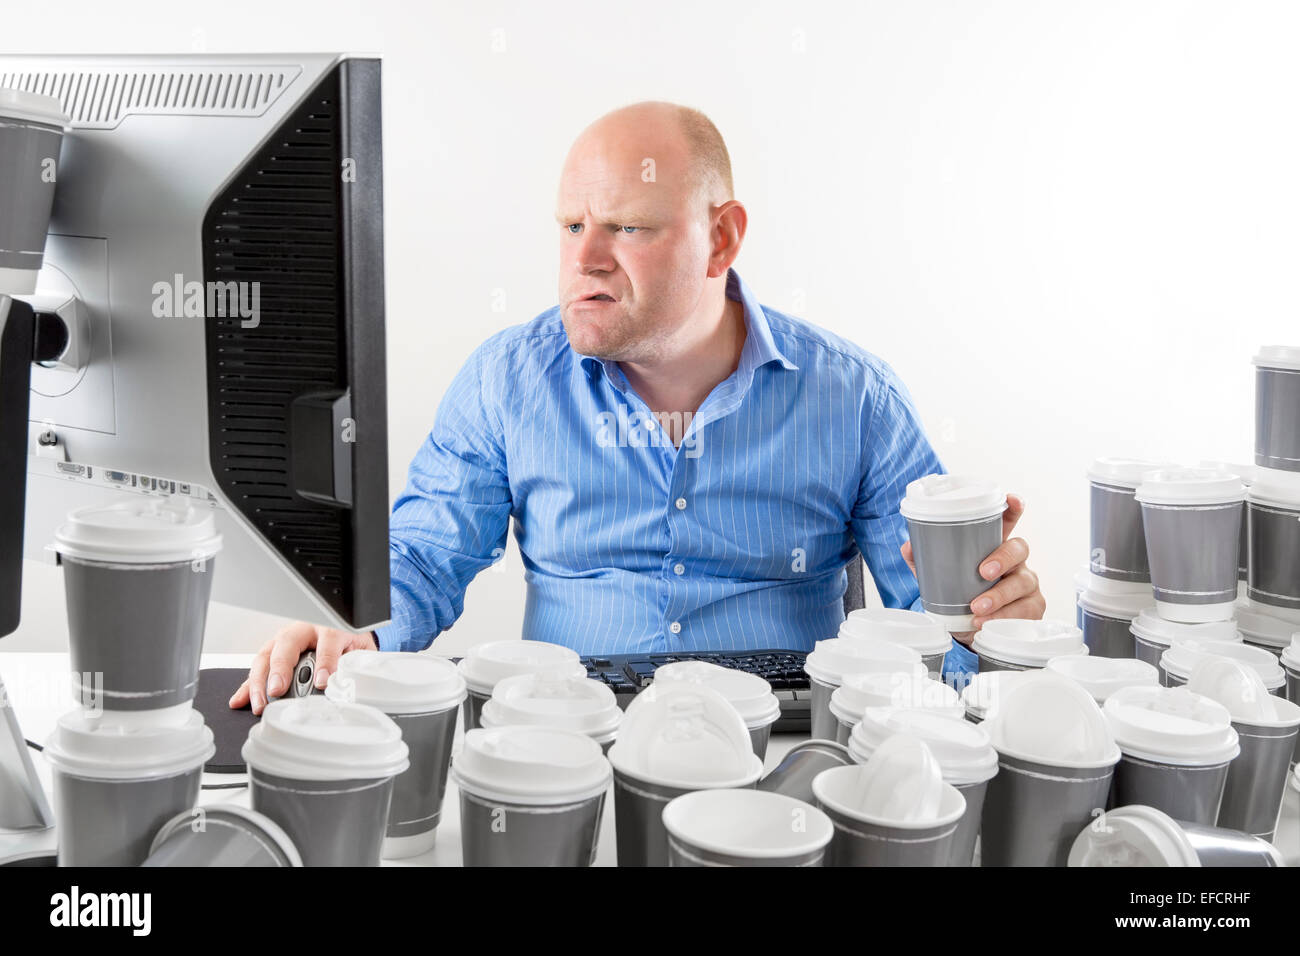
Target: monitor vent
<point x="99" y="98"/>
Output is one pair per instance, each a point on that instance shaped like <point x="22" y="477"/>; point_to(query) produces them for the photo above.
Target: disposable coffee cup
<point x="1139" y="836"/>
<point x="420" y="693"/>
<point x="1273" y="520"/>
<point x="1056" y="759"/>
<point x="1277" y="407"/>
<point x="1013" y="644"/>
<point x="1176" y="748"/>
<point x="1178" y="663"/>
<point x="222" y="835"/>
<point x="1108" y="620"/>
<point x="675" y="738"/>
<point x="954" y="523"/>
<point x="965" y="754"/>
<point x="1247" y="475"/>
<point x="555" y="699"/>
<point x="922" y="633"/>
<point x="1291" y="667"/>
<point x="750" y="694"/>
<point x="985" y="690"/>
<point x="1103" y="676"/>
<point x="1153" y="635"/>
<point x="323" y="770"/>
<point x="485" y="664"/>
<point x="31" y="135"/>
<point x="114" y="786"/>
<point x="530" y="796"/>
<point x="1267" y="727"/>
<point x="895" y="810"/>
<point x="744" y="827"/>
<point x="1260" y="626"/>
<point x="830" y="661"/>
<point x="137" y="576"/>
<point x="1192" y="521"/>
<point x="861" y="691"/>
<point x="793" y="776"/>
<point x="1117" y="545"/>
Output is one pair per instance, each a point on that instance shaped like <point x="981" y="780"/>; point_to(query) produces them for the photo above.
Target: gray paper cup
<point x="948" y="556"/>
<point x="494" y="833"/>
<point x="419" y="790"/>
<point x="1193" y="552"/>
<point x="1142" y="836"/>
<point x="1116" y="541"/>
<point x="31" y="136"/>
<point x="639" y="805"/>
<point x="1256" y="782"/>
<point x="332" y="822"/>
<point x="1273" y="518"/>
<point x="1277" y="396"/>
<point x="1216" y="846"/>
<point x="744" y="827"/>
<point x="793" y="776"/>
<point x="968" y="827"/>
<point x="990" y="664"/>
<point x="222" y="835"/>
<point x="472" y="709"/>
<point x="822" y="723"/>
<point x="1183" y="792"/>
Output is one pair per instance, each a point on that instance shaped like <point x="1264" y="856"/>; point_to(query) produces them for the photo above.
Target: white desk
<point x="38" y="688"/>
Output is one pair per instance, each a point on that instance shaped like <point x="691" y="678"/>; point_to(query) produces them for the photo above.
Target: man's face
<point x="641" y="246"/>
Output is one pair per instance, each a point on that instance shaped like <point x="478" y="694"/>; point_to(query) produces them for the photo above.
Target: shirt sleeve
<point x="896" y="451"/>
<point x="452" y="518"/>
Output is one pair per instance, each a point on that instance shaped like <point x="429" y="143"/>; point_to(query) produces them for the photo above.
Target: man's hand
<point x="274" y="663"/>
<point x="1017" y="594"/>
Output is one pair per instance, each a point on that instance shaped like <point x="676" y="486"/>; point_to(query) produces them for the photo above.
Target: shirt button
<point x="650" y="424"/>
<point x="681" y="504"/>
<point x="675" y="627"/>
<point x="679" y="569"/>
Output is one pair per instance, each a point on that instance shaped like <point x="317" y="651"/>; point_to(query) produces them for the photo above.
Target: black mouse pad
<point x="229" y="727"/>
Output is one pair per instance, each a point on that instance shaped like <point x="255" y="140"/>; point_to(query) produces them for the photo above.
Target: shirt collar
<point x="759" y="348"/>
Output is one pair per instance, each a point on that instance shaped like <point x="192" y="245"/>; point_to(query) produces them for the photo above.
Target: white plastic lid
<point x="984" y="690"/>
<point x="315" y="738"/>
<point x="1133" y="836"/>
<point x="1275" y="488"/>
<point x="898" y="626"/>
<point x="1102" y="676"/>
<point x="1278" y="356"/>
<point x="32" y="108"/>
<point x="485" y="664"/>
<point x="1154" y="629"/>
<point x="397" y="682"/>
<point x="963" y="749"/>
<point x="1116" y="606"/>
<point x="141" y="530"/>
<point x="830" y="660"/>
<point x="1236" y="686"/>
<point x="85" y="745"/>
<point x="1171" y="725"/>
<point x="554" y="699"/>
<point x="530" y="765"/>
<point x="750" y="694"/>
<point x="1245" y="472"/>
<point x="1124" y="472"/>
<point x="747" y="823"/>
<point x="1259" y="626"/>
<point x="1049" y="719"/>
<point x="900" y="689"/>
<point x="1030" y="643"/>
<point x="1291" y="653"/>
<point x="1191" y="486"/>
<point x="1180" y="659"/>
<point x="952" y="498"/>
<point x="685" y="735"/>
<point x="901" y="786"/>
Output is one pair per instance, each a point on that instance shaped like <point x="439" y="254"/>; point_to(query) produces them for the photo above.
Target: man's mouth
<point x="599" y="297"/>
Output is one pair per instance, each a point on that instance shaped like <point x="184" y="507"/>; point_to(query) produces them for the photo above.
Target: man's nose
<point x="592" y="252"/>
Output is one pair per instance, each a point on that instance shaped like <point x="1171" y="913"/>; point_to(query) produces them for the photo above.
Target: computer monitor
<point x="213" y="288"/>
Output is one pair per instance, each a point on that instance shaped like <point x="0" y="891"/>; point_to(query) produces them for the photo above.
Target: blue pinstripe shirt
<point x="737" y="539"/>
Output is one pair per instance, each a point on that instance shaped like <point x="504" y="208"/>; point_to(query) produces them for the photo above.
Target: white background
<point x="1067" y="225"/>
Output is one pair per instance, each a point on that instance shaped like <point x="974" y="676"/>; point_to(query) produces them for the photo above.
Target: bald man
<point x="687" y="469"/>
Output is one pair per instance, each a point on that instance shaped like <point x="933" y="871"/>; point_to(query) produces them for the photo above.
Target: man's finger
<point x="239" y="699"/>
<point x="1010" y="517"/>
<point x="1009" y="555"/>
<point x="330" y="646"/>
<point x="284" y="658"/>
<point x="1020" y="583"/>
<point x="1029" y="608"/>
<point x="257" y="677"/>
<point x="906" y="551"/>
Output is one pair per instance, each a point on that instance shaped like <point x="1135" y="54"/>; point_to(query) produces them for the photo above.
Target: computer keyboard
<point x="628" y="674"/>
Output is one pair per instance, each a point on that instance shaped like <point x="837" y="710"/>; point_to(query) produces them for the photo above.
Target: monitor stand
<point x="26" y="823"/>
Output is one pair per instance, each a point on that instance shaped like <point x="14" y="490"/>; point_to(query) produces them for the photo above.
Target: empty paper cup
<point x="114" y="786"/>
<point x="137" y="576"/>
<point x="985" y="690"/>
<point x="555" y="699"/>
<point x="1260" y="626"/>
<point x="530" y="796"/>
<point x="222" y="835"/>
<point x="420" y="693"/>
<point x="923" y="634"/>
<point x="793" y="776"/>
<point x="954" y="523"/>
<point x="1176" y="747"/>
<point x="1117" y="544"/>
<point x="1013" y="644"/>
<point x="1056" y="758"/>
<point x="1108" y="620"/>
<point x="860" y="691"/>
<point x="964" y="752"/>
<point x="1192" y="520"/>
<point x="1102" y="676"/>
<point x="750" y="694"/>
<point x="31" y="135"/>
<point x="831" y="661"/>
<point x="1291" y="667"/>
<point x="1273" y="517"/>
<point x="1153" y="635"/>
<point x="1143" y="836"/>
<point x="675" y="738"/>
<point x="744" y="828"/>
<point x="323" y="770"/>
<point x="485" y="664"/>
<point x="1277" y="407"/>
<point x="895" y="810"/>
<point x="1177" y="663"/>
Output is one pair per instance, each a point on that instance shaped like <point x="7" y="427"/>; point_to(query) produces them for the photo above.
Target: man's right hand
<point x="274" y="663"/>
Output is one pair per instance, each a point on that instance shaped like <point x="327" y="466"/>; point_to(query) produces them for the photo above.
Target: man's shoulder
<point x="539" y="338"/>
<point x="820" y="351"/>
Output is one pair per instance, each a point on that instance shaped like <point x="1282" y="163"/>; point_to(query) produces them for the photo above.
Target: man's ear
<point x="727" y="231"/>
